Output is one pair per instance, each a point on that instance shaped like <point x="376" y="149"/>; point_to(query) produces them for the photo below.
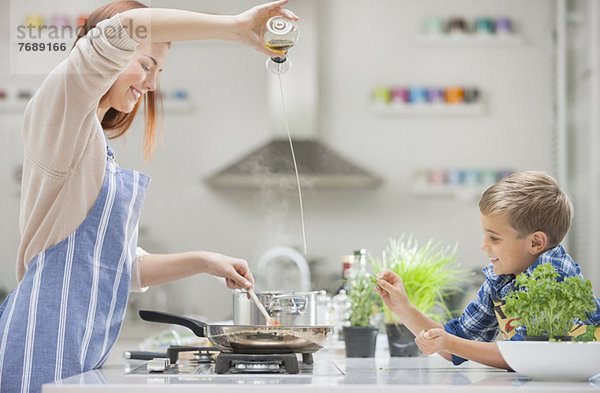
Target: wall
<point x="359" y="50"/>
<point x="27" y="75"/>
<point x="361" y="44"/>
<point x="582" y="61"/>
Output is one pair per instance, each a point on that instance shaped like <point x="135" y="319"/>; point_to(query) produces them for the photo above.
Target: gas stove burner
<point x="240" y="363"/>
<point x="192" y="354"/>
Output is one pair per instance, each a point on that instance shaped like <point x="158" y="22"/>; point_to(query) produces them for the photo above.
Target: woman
<point x="78" y="259"/>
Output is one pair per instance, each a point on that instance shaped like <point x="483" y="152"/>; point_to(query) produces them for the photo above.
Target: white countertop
<point x="332" y="372"/>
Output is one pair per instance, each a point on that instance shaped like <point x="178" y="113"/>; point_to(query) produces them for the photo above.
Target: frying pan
<point x="250" y="339"/>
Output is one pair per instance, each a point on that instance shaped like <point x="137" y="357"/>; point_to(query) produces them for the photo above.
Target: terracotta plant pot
<point x="360" y="341"/>
<point x="401" y="340"/>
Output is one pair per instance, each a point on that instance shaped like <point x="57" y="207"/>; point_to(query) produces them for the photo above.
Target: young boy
<point x="524" y="217"/>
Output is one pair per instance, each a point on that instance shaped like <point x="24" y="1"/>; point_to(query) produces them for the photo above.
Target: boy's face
<point x="508" y="253"/>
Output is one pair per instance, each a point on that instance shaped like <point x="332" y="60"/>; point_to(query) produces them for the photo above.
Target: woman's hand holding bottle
<point x="251" y="25"/>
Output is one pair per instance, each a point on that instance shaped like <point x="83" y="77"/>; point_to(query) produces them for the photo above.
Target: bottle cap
<point x="280" y="26"/>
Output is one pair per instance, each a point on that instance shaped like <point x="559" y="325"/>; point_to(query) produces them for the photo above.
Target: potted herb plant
<point x="361" y="336"/>
<point x="547" y="307"/>
<point x="429" y="273"/>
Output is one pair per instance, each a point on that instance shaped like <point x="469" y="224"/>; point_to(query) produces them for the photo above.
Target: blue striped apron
<point x="64" y="316"/>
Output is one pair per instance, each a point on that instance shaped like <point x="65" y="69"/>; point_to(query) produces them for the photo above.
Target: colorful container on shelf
<point x="382" y="94"/>
<point x="504" y="26"/>
<point x="435" y="25"/>
<point x="455" y="95"/>
<point x="400" y="95"/>
<point x="436" y="95"/>
<point x="459" y="177"/>
<point x="57" y="21"/>
<point x="417" y="95"/>
<point x="34" y="21"/>
<point x="484" y="26"/>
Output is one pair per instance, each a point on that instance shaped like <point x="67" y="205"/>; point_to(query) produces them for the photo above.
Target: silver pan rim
<point x="279" y="327"/>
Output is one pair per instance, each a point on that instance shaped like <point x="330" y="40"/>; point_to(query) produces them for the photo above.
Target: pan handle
<point x="198" y="327"/>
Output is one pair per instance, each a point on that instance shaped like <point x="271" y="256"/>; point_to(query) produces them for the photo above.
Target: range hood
<point x="318" y="165"/>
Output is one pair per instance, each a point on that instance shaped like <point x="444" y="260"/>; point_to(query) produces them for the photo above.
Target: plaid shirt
<point x="478" y="321"/>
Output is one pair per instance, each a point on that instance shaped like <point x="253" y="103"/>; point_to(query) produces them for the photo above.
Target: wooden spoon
<point x="270" y="321"/>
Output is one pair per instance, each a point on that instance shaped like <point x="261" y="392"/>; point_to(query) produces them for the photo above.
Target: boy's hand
<point x="432" y="340"/>
<point x="391" y="290"/>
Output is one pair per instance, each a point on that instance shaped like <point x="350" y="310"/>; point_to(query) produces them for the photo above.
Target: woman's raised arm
<point x="169" y="25"/>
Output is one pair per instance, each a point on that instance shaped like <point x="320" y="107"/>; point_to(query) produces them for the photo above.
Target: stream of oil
<point x="287" y="127"/>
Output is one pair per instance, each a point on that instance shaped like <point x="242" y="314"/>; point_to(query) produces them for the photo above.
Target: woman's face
<point x="139" y="77"/>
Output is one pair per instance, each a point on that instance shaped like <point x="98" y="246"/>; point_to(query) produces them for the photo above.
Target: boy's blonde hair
<point x="533" y="202"/>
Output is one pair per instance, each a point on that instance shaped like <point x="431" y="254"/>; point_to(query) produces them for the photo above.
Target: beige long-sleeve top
<point x="65" y="149"/>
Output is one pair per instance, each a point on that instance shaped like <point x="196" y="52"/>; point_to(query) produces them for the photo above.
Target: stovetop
<point x="207" y="361"/>
<point x="209" y="369"/>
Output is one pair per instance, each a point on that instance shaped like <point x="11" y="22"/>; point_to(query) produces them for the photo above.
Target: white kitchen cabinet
<point x="332" y="372"/>
<point x="423" y="374"/>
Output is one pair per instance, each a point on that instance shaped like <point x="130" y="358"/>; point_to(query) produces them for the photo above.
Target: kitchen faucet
<point x="287" y="253"/>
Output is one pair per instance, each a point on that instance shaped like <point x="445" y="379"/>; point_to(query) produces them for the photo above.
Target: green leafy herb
<point x="588" y="335"/>
<point x="429" y="273"/>
<point x="546" y="306"/>
<point x="363" y="300"/>
<point x="374" y="280"/>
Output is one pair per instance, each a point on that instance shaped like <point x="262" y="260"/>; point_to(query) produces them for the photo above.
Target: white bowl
<point x="556" y="361"/>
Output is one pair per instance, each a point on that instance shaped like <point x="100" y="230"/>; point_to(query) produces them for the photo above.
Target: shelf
<point x="178" y="106"/>
<point x="459" y="39"/>
<point x="429" y="110"/>
<point x="464" y="192"/>
<point x="169" y="107"/>
<point x="13" y="108"/>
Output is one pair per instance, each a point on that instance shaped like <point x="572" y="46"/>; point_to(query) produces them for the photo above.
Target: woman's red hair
<point x="116" y="123"/>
